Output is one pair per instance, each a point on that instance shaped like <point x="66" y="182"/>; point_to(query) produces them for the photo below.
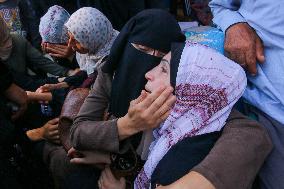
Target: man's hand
<point x="108" y="181"/>
<point x="44" y="97"/>
<point x="50" y="87"/>
<point x="18" y="96"/>
<point x="146" y="112"/>
<point x="47" y="132"/>
<point x="88" y="157"/>
<point x="57" y="50"/>
<point x="244" y="46"/>
<point x="50" y="131"/>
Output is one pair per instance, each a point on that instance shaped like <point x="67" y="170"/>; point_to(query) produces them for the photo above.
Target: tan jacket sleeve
<point x="238" y="155"/>
<point x="89" y="131"/>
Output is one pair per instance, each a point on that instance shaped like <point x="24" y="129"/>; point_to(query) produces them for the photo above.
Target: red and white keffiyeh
<point x="207" y="86"/>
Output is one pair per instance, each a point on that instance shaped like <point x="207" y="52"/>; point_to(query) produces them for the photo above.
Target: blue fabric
<point x="206" y="35"/>
<point x="51" y="27"/>
<point x="266" y="90"/>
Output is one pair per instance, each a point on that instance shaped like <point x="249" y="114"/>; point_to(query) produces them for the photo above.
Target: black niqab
<point x="153" y="28"/>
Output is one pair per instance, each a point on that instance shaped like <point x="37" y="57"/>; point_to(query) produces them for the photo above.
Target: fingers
<point x="251" y="62"/>
<point x="161" y="99"/>
<point x="152" y="97"/>
<point x="109" y="173"/>
<point x="164" y="117"/>
<point x="70" y="152"/>
<point x="54" y="133"/>
<point x="167" y="106"/>
<point x="259" y="50"/>
<point x="238" y="57"/>
<point x="57" y="55"/>
<point x="48" y="87"/>
<point x="78" y="160"/>
<point x="54" y="121"/>
<point x="142" y="96"/>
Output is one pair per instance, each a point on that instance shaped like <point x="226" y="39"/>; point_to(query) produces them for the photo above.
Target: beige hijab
<point x="5" y="41"/>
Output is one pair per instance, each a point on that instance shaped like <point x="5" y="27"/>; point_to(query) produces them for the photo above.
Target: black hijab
<point x="153" y="28"/>
<point x="176" y="51"/>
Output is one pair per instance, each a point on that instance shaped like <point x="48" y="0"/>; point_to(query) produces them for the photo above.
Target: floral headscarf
<point x="207" y="86"/>
<point x="51" y="27"/>
<point x="5" y="41"/>
<point x="93" y="31"/>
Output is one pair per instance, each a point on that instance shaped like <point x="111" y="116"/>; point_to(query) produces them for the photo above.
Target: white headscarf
<point x="94" y="31"/>
<point x="51" y="26"/>
<point x="207" y="86"/>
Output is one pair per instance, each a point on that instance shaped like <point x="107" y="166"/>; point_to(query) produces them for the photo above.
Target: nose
<point x="149" y="76"/>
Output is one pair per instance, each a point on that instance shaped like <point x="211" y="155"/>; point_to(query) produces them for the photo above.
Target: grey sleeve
<point x="89" y="131"/>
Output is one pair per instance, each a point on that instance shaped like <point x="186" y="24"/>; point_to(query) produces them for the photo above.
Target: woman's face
<point x="160" y="75"/>
<point x="75" y="45"/>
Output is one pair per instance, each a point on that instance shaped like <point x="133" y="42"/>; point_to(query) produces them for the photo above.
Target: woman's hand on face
<point x="88" y="157"/>
<point x="108" y="181"/>
<point x="146" y="112"/>
<point x="57" y="50"/>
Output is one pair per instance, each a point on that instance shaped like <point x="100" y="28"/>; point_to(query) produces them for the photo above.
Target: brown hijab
<point x="5" y="41"/>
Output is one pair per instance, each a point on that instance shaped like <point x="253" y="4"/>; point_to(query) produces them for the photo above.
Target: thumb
<point x="142" y="96"/>
<point x="259" y="50"/>
<point x="78" y="161"/>
<point x="54" y="121"/>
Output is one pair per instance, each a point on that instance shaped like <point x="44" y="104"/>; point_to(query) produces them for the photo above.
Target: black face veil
<point x="153" y="28"/>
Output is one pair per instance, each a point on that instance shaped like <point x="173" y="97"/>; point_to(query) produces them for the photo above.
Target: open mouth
<point x="146" y="89"/>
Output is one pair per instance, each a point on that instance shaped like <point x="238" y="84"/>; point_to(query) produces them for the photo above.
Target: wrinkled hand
<point x="57" y="50"/>
<point x="47" y="132"/>
<point x="50" y="131"/>
<point x="88" y="157"/>
<point x="108" y="181"/>
<point x="50" y="87"/>
<point x="41" y="97"/>
<point x="244" y="46"/>
<point x="147" y="111"/>
<point x="18" y="96"/>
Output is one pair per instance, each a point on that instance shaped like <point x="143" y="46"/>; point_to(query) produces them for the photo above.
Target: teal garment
<point x="208" y="36"/>
<point x="24" y="57"/>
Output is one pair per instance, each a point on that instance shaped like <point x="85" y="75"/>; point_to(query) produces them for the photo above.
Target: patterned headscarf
<point x="207" y="86"/>
<point x="5" y="40"/>
<point x="93" y="31"/>
<point x="51" y="27"/>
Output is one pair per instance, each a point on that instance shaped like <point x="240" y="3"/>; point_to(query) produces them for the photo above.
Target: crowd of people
<point x="110" y="95"/>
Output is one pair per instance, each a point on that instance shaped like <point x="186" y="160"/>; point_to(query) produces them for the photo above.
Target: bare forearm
<point x="192" y="180"/>
<point x="35" y="134"/>
<point x="33" y="96"/>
